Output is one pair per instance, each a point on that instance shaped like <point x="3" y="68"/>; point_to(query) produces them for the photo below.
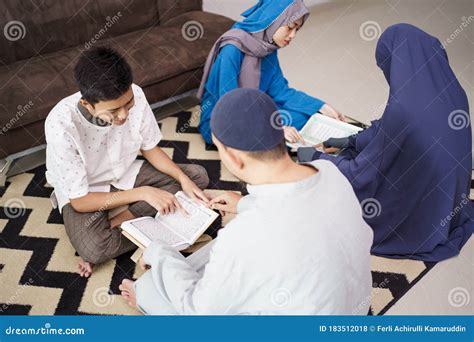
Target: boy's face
<point x="113" y="111"/>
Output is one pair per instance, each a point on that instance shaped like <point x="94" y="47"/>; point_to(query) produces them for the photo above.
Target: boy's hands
<point x="163" y="201"/>
<point x="162" y="162"/>
<point x="167" y="203"/>
<point x="226" y="202"/>
<point x="193" y="191"/>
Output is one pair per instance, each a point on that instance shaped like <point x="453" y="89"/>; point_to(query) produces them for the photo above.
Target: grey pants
<point x="91" y="234"/>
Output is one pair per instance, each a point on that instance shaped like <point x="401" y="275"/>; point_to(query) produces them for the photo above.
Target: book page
<point x="320" y="128"/>
<point x="190" y="226"/>
<point x="148" y="229"/>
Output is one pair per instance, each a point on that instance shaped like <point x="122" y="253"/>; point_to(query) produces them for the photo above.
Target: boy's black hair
<point x="102" y="74"/>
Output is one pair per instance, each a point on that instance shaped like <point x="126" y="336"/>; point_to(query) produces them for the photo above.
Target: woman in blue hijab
<point x="246" y="57"/>
<point x="411" y="170"/>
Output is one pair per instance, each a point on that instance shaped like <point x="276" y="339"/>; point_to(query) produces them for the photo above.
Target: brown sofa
<point x="165" y="41"/>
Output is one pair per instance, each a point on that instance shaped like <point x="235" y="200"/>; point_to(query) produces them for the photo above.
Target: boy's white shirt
<point x="82" y="157"/>
<point x="294" y="248"/>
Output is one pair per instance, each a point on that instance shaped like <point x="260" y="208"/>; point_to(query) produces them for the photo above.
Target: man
<point x="298" y="244"/>
<point x="93" y="139"/>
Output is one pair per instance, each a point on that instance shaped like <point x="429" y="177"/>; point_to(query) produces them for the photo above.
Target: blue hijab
<point x="254" y="37"/>
<point x="246" y="57"/>
<point x="411" y="170"/>
<point x="263" y="15"/>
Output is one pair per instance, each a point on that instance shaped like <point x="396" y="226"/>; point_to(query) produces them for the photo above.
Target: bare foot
<point x="127" y="290"/>
<point x="85" y="268"/>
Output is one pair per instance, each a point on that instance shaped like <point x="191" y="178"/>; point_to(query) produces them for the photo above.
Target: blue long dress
<point x="224" y="75"/>
<point x="411" y="170"/>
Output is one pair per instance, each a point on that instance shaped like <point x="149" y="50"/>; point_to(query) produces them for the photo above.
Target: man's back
<point x="294" y="248"/>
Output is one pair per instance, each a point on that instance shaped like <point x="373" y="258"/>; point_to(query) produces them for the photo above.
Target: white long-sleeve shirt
<point x="293" y="248"/>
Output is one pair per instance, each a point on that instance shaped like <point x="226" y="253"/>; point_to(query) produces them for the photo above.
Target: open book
<point x="320" y="128"/>
<point x="179" y="229"/>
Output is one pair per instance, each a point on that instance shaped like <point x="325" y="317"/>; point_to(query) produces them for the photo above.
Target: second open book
<point x="320" y="128"/>
<point x="179" y="229"/>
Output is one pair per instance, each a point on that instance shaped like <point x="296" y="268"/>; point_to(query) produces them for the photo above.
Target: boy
<point x="298" y="244"/>
<point x="93" y="139"/>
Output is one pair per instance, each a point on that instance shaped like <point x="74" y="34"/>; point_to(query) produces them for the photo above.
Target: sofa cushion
<point x="155" y="54"/>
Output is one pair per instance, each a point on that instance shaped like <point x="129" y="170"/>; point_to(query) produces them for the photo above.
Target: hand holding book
<point x="331" y="112"/>
<point x="320" y="128"/>
<point x="175" y="229"/>
<point x="292" y="135"/>
<point x="333" y="145"/>
<point x="192" y="191"/>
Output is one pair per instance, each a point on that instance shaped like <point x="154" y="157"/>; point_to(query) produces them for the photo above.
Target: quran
<point x="179" y="229"/>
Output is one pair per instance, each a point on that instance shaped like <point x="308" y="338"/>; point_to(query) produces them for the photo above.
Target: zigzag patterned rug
<point x="38" y="264"/>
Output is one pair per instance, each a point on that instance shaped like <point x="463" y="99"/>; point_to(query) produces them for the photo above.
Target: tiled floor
<point x="330" y="59"/>
<point x="446" y="290"/>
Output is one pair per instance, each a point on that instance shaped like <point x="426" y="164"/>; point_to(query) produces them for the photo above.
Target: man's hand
<point x="226" y="202"/>
<point x="192" y="190"/>
<point x="163" y="201"/>
<point x="331" y="112"/>
<point x="292" y="135"/>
